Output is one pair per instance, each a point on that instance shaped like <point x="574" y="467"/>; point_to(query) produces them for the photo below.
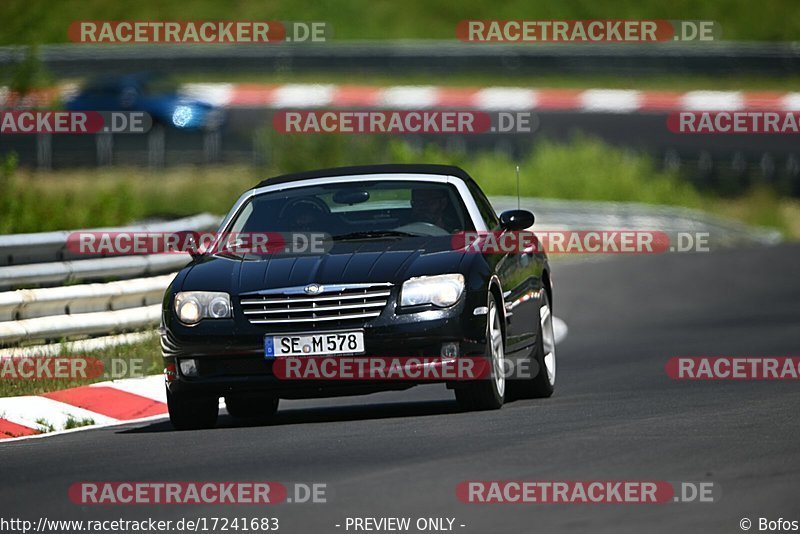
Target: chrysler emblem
<point x="313" y="289"/>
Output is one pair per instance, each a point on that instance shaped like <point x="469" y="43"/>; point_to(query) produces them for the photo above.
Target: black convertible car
<point x="391" y="283"/>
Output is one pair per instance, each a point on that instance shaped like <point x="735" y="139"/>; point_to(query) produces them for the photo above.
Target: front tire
<point x="191" y="412"/>
<point x="488" y="393"/>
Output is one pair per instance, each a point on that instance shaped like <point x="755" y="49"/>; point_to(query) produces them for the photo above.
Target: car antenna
<point x="518" y="187"/>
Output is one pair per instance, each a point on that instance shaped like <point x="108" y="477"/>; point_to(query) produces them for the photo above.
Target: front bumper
<point x="230" y="353"/>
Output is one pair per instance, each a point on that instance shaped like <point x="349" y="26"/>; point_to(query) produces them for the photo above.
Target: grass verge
<point x="123" y="361"/>
<point x="584" y="169"/>
<point x="44" y="21"/>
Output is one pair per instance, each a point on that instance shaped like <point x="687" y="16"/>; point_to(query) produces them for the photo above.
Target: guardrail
<point x="63" y="326"/>
<point x="52" y="246"/>
<point x="94" y="269"/>
<point x="433" y="56"/>
<point x="68" y="300"/>
<point x="54" y="313"/>
<point x="27" y="259"/>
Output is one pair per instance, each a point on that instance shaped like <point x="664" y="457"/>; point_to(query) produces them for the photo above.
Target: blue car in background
<point x="151" y="93"/>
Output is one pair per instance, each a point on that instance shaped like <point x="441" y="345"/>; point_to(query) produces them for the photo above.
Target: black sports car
<point x="393" y="281"/>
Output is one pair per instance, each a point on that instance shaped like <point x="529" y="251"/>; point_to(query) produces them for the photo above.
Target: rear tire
<point x="488" y="393"/>
<point x="253" y="406"/>
<point x="191" y="412"/>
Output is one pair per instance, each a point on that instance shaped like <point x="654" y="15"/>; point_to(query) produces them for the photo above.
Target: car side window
<point x="484" y="207"/>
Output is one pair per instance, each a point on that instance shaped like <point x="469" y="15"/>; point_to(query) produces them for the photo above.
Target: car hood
<point x="347" y="262"/>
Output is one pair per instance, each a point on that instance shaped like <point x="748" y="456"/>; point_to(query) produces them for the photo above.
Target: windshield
<point x="358" y="210"/>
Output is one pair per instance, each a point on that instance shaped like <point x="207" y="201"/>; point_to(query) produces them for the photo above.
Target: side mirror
<point x="516" y="220"/>
<point x="190" y="243"/>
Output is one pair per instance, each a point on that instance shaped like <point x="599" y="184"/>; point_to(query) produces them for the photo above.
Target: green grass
<point x="45" y="425"/>
<point x="39" y="201"/>
<point x="145" y="356"/>
<point x="584" y="169"/>
<point x="44" y="21"/>
<point x="71" y="422"/>
<point x="761" y="206"/>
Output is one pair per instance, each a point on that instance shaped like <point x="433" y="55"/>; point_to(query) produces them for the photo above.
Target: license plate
<point x="331" y="344"/>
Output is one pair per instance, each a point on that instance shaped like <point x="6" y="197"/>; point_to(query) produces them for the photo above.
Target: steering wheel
<point x="320" y="205"/>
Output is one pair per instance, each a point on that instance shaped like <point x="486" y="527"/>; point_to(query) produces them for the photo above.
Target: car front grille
<point x="334" y="305"/>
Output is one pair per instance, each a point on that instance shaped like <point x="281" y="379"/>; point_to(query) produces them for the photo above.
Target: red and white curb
<point x="482" y="98"/>
<point x="488" y="98"/>
<point x="105" y="403"/>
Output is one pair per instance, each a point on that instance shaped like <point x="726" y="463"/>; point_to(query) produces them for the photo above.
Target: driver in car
<point x="430" y="206"/>
<point x="304" y="215"/>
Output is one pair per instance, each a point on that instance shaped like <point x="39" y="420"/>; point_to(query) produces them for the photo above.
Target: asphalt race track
<point x="615" y="415"/>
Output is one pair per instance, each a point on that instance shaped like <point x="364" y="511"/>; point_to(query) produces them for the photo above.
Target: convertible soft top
<point x="397" y="168"/>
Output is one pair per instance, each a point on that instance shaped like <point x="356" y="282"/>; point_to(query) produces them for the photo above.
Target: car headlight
<point x="440" y="290"/>
<point x="192" y="306"/>
<point x="182" y="116"/>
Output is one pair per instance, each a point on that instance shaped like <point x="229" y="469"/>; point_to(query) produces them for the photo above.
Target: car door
<point x="520" y="275"/>
<point x="523" y="281"/>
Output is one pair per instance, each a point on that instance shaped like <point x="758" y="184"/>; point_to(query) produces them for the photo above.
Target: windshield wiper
<point x="373" y="234"/>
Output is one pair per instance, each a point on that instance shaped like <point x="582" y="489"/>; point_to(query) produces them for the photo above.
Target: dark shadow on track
<point x="331" y="414"/>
